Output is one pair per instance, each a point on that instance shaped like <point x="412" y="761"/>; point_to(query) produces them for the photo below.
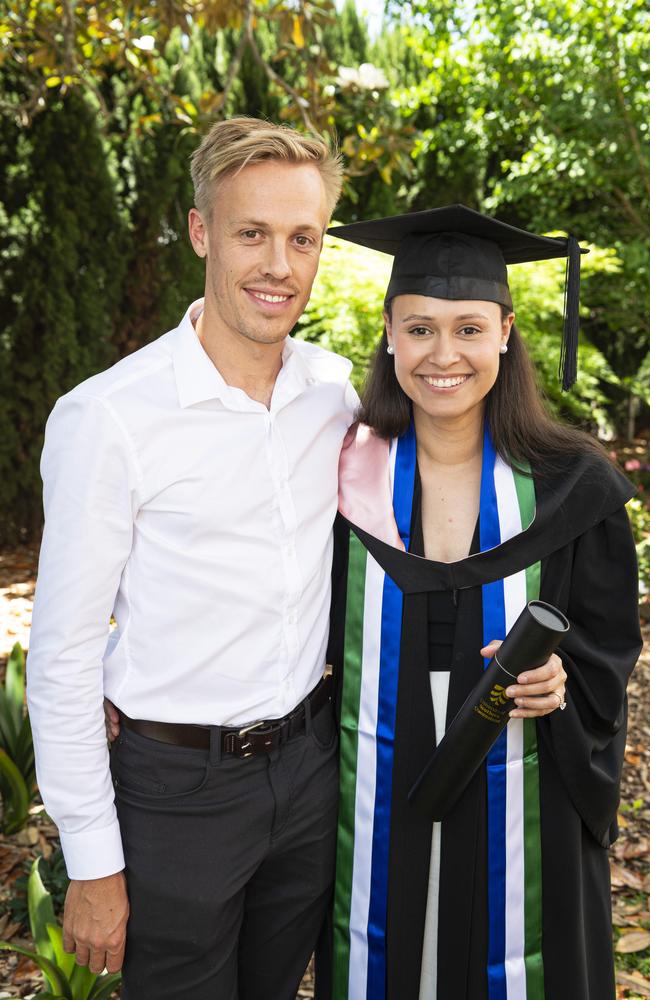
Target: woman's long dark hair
<point x="521" y="426"/>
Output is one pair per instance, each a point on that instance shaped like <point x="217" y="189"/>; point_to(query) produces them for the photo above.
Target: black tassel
<point x="569" y="353"/>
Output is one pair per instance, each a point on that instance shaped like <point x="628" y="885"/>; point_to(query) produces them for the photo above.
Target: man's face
<point x="262" y="246"/>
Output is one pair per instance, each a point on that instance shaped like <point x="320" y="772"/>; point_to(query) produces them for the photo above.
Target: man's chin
<point x="271" y="333"/>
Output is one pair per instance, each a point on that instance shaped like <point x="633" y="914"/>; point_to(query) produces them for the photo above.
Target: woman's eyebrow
<point x="432" y="319"/>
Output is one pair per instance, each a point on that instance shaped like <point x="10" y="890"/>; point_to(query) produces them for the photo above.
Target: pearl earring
<point x="390" y="349"/>
<point x="503" y="349"/>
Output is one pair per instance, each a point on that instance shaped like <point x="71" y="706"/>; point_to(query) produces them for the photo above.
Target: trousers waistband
<point x="246" y="741"/>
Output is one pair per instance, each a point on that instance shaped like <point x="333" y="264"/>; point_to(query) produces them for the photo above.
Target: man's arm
<point x="90" y="482"/>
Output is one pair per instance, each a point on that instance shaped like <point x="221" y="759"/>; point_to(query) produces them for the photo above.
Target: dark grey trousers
<point x="229" y="864"/>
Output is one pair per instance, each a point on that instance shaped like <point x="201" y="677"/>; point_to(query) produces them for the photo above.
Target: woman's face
<point x="446" y="351"/>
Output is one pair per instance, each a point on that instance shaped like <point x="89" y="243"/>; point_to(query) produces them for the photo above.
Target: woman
<point x="461" y="499"/>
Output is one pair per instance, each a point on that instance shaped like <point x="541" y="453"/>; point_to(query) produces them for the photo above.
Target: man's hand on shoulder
<point x="94" y="922"/>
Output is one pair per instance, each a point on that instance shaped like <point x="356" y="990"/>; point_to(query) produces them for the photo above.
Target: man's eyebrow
<point x="254" y="224"/>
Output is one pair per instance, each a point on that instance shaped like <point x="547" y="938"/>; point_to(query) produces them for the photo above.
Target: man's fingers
<point x="97" y="961"/>
<point x="68" y="941"/>
<point x="115" y="960"/>
<point x="82" y="954"/>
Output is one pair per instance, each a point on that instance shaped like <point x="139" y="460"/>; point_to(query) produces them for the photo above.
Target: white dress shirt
<point x="202" y="521"/>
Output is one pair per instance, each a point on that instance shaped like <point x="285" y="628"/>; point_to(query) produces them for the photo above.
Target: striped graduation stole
<point x="368" y="708"/>
<point x="515" y="969"/>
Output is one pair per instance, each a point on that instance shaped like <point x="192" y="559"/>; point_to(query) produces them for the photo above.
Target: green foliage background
<point x="530" y="109"/>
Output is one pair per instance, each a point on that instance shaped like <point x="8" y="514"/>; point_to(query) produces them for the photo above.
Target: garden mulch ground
<point x="630" y="857"/>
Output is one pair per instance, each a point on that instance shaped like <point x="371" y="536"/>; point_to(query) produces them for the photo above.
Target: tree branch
<point x="630" y="211"/>
<point x="274" y="77"/>
<point x="69" y="57"/>
<point x="235" y="62"/>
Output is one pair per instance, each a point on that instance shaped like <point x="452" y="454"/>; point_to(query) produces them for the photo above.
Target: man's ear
<point x="198" y="233"/>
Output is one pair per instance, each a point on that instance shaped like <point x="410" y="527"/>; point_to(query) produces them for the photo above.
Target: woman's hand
<point x="111" y="721"/>
<point x="537" y="692"/>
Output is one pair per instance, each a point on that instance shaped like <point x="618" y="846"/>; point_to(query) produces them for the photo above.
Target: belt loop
<point x="215" y="745"/>
<point x="307" y="705"/>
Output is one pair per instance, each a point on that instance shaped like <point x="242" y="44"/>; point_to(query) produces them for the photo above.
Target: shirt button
<point x="292" y="618"/>
<point x="310" y="381"/>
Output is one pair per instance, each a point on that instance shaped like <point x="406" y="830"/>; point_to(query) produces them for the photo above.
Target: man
<point x="190" y="491"/>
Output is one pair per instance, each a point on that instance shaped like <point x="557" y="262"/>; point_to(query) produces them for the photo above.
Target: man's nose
<point x="276" y="265"/>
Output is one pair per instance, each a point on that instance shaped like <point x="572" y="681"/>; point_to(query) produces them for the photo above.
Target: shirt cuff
<point x="93" y="853"/>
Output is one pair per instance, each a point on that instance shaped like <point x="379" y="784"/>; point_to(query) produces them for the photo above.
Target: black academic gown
<point x="582" y="536"/>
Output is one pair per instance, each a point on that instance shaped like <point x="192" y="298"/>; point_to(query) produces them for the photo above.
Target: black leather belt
<point x="246" y="741"/>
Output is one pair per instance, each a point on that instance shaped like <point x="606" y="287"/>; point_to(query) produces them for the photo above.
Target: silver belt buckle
<point x="245" y="749"/>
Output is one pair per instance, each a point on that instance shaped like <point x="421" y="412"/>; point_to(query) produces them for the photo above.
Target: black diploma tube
<point x="484" y="714"/>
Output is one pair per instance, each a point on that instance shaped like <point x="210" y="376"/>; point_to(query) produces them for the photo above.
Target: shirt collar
<point x="198" y="379"/>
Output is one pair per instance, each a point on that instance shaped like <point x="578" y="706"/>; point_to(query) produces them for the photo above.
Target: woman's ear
<point x="506" y="327"/>
<point x="388" y="328"/>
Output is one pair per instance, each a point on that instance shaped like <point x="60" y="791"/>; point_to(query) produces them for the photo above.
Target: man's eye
<point x="250" y="234"/>
<point x="303" y="241"/>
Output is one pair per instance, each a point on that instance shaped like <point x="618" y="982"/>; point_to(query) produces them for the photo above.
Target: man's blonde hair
<point x="231" y="145"/>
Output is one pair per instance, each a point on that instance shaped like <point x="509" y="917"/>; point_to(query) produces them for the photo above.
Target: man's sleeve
<point x="90" y="481"/>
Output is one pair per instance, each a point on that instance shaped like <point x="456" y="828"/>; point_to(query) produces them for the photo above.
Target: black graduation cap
<point x="455" y="252"/>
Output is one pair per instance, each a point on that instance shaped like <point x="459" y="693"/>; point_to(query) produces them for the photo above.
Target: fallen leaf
<point x="10" y="930"/>
<point x="634" y="981"/>
<point x="633" y="941"/>
<point x="622" y="921"/>
<point x="45" y="846"/>
<point x="625" y="876"/>
<point x="636" y="849"/>
<point x="27" y="837"/>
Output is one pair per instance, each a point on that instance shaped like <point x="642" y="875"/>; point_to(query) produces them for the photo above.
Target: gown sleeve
<point x="336" y="643"/>
<point x="587" y="740"/>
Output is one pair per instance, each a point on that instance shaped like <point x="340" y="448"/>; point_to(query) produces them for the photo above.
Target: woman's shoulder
<point x="584" y="481"/>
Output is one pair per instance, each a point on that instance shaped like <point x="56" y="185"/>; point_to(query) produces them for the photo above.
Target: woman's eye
<point x="419" y="331"/>
<point x="467" y="331"/>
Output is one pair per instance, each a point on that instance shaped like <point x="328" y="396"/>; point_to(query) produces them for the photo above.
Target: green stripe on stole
<point x="348" y="759"/>
<point x="532" y="838"/>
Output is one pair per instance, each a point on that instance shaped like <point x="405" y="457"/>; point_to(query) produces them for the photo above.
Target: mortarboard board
<point x="455" y="252"/>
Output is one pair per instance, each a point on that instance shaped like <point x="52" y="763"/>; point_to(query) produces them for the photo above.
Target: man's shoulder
<point x="324" y="365"/>
<point x="126" y="377"/>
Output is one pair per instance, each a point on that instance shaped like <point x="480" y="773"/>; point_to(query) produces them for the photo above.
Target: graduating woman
<point x="461" y="500"/>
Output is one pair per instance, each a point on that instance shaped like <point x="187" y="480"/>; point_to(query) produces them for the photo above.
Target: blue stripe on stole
<point x="494" y="627"/>
<point x="391" y="632"/>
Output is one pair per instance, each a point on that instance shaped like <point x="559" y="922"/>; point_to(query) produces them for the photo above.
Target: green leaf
<point x="8" y="732"/>
<point x="64" y="960"/>
<point x="41" y="913"/>
<point x="55" y="978"/>
<point x="16" y="797"/>
<point x="82" y="982"/>
<point x="15" y="683"/>
<point x="23" y="754"/>
<point x="105" y="985"/>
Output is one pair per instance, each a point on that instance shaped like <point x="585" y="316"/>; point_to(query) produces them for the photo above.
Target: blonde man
<point x="190" y="491"/>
